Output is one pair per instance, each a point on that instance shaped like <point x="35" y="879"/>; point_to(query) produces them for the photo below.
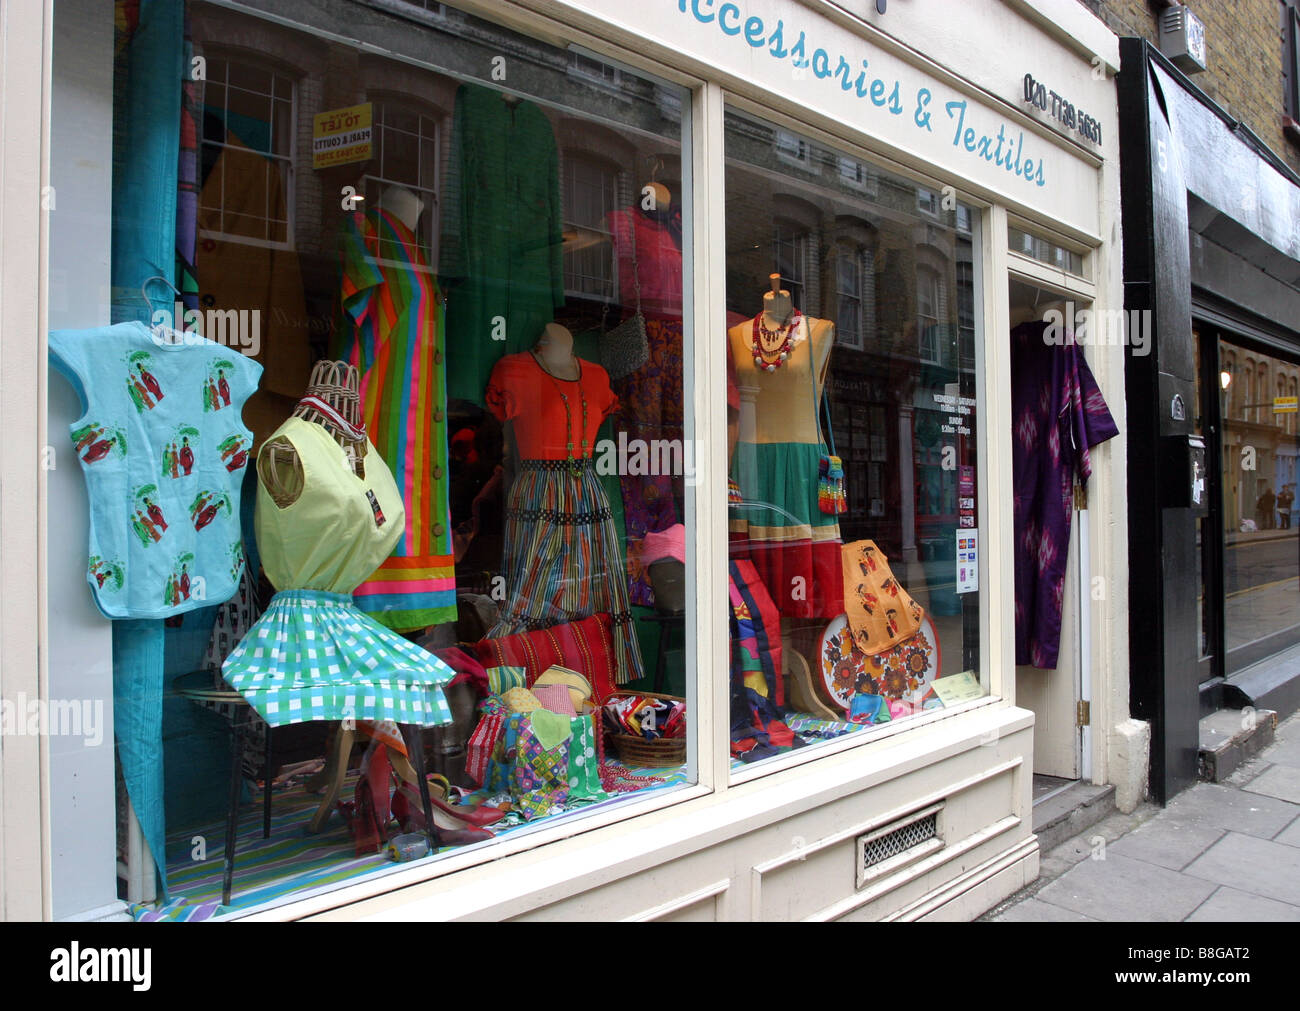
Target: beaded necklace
<point x="772" y="347"/>
<point x="573" y="464"/>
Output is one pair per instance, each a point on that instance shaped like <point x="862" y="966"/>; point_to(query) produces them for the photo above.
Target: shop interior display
<point x="470" y="554"/>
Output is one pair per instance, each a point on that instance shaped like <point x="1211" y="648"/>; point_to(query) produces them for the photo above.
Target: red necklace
<point x="772" y="347"/>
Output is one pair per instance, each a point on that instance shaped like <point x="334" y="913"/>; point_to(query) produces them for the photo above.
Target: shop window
<point x="927" y="201"/>
<point x="1259" y="509"/>
<point x="511" y="426"/>
<point x="247" y="152"/>
<point x="870" y="382"/>
<point x="407" y="157"/>
<point x="590" y="197"/>
<point x="1045" y="251"/>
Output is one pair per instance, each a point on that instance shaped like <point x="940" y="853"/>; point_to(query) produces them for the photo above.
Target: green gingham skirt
<point x="314" y="656"/>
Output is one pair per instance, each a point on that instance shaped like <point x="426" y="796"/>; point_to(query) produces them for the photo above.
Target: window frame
<point x="431" y="197"/>
<point x="288" y="176"/>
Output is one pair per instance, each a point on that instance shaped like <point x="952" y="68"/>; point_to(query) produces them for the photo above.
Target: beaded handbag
<point x="626" y="347"/>
<point x="831" y="498"/>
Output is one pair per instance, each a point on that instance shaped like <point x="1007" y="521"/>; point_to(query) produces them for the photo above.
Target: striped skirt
<point x="562" y="558"/>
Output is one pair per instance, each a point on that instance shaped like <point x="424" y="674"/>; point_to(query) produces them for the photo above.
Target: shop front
<point x="559" y="460"/>
<point x="1212" y="236"/>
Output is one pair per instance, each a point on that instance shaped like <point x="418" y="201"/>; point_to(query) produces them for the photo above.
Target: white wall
<point x="82" y="809"/>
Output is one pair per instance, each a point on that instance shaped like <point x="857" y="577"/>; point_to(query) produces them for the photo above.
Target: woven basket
<point x="656" y="754"/>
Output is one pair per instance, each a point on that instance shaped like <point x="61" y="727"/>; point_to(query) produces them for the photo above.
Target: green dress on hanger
<point x="500" y="250"/>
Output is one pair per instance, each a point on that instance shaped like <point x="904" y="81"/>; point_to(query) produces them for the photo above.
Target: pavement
<point x="1218" y="852"/>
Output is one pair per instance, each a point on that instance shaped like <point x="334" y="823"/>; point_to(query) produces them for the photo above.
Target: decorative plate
<point x="905" y="672"/>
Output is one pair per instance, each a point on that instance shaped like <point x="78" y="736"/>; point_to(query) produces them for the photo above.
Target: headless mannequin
<point x="554" y="351"/>
<point x="662" y="198"/>
<point x="338" y="385"/>
<point x="404" y="204"/>
<point x="280" y="470"/>
<point x="778" y="310"/>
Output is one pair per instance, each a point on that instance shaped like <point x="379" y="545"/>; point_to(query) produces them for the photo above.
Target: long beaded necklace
<point x="573" y="465"/>
<point x="772" y="347"/>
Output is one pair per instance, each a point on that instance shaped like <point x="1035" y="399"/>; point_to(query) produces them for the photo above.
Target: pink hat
<point x="670" y="543"/>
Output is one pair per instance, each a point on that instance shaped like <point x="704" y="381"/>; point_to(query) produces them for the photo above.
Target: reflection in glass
<point x="852" y="314"/>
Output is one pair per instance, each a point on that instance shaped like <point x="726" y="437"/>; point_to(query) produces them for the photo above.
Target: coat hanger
<point x="165" y="333"/>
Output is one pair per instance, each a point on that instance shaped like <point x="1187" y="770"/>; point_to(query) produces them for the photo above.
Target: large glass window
<point x="409" y="505"/>
<point x="1261" y="518"/>
<point x="854" y="402"/>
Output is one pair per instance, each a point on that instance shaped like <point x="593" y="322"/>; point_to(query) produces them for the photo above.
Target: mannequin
<point x="404" y="204"/>
<point x="662" y="197"/>
<point x="781" y="359"/>
<point x="764" y="412"/>
<point x="332" y="401"/>
<point x="562" y="556"/>
<point x="554" y="349"/>
<point x="335" y="384"/>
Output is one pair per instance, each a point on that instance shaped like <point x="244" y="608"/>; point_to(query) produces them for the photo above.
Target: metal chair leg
<point x="268" y="776"/>
<point x="232" y="814"/>
<point x="417" y="759"/>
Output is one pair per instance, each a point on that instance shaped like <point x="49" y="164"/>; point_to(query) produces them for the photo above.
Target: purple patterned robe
<point x="1057" y="415"/>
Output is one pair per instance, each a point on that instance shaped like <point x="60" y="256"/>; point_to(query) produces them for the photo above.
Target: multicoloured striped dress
<point x="395" y="338"/>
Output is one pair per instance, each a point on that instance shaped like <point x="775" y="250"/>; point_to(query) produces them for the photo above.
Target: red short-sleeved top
<point x="520" y="390"/>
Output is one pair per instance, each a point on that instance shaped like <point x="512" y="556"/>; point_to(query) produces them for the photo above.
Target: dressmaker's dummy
<point x="789" y="415"/>
<point x="334" y="384"/>
<point x="332" y="401"/>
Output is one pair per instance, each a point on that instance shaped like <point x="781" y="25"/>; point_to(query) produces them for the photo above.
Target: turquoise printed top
<point x="163" y="446"/>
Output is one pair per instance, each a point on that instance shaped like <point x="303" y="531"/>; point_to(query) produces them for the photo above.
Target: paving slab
<point x="1250" y="864"/>
<point x="1231" y="905"/>
<point x="1284" y="752"/>
<point x="1036" y="911"/>
<point x="1280" y="781"/>
<point x="1289" y="836"/>
<point x="1120" y="888"/>
<point x="1217" y="806"/>
<point x="1167" y="843"/>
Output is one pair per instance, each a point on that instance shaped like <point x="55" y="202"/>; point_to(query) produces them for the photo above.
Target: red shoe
<point x="452" y="830"/>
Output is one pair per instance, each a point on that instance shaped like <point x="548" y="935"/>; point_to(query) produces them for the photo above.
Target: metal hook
<point x="144" y="293"/>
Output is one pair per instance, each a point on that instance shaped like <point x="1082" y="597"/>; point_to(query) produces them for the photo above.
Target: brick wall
<point x="1244" y="53"/>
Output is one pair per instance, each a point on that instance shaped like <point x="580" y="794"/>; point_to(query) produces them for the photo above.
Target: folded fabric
<point x="865" y="708"/>
<point x="552" y="729"/>
<point x="578" y="687"/>
<point x="520" y="700"/>
<point x="670" y="543"/>
<point x="467" y="668"/>
<point x="483" y="741"/>
<point x="555" y="698"/>
<point x="502" y="679"/>
<point x="880" y="612"/>
<point x="585" y="646"/>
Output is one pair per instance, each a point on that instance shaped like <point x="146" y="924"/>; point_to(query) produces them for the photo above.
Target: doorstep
<point x="1230" y="738"/>
<point x="1273" y="683"/>
<point x="1063" y="814"/>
